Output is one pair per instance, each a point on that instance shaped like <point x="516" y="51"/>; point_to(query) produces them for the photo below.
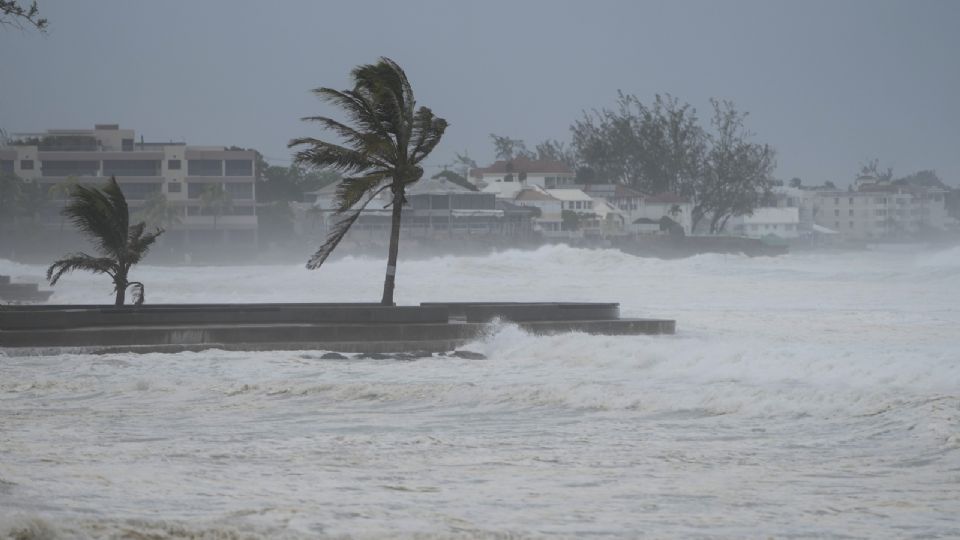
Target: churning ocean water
<point x="810" y="395"/>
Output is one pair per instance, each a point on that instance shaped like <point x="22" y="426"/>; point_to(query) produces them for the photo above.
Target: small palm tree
<point x="388" y="139"/>
<point x="103" y="215"/>
<point x="158" y="212"/>
<point x="217" y="200"/>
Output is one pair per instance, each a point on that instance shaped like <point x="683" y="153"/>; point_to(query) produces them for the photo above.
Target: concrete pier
<point x="21" y="292"/>
<point x="333" y="327"/>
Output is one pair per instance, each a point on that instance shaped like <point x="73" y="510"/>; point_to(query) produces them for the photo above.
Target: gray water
<point x="807" y="395"/>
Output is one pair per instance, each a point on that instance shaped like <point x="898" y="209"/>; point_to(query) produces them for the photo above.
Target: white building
<point x="882" y="211"/>
<point x="179" y="172"/>
<point x="550" y="220"/>
<point x="530" y="172"/>
<point x="677" y="208"/>
<point x="767" y="221"/>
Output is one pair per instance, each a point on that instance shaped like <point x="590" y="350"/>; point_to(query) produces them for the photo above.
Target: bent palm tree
<point x="383" y="150"/>
<point x="103" y="215"/>
<point x="216" y="200"/>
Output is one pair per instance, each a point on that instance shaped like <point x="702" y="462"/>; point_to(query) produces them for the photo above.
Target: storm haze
<point x="829" y="85"/>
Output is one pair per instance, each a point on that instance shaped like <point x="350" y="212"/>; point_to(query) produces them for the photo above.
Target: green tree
<point x="61" y="191"/>
<point x="158" y="212"/>
<point x="507" y="148"/>
<point x="737" y="173"/>
<point x="217" y="200"/>
<point x="655" y="148"/>
<point x="570" y="220"/>
<point x="14" y="13"/>
<point x="31" y="201"/>
<point x="388" y="139"/>
<point x="103" y="215"/>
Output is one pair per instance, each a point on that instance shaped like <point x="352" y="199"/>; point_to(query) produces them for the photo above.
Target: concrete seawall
<point x="333" y="327"/>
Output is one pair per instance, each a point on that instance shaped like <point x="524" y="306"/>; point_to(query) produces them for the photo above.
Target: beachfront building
<point x="782" y="223"/>
<point x="435" y="207"/>
<point x="879" y="210"/>
<point x="58" y="157"/>
<point x="549" y="222"/>
<point x="503" y="175"/>
<point x="667" y="205"/>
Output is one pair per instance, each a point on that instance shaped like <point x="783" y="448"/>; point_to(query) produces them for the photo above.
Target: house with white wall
<point x="768" y="221"/>
<point x="677" y="208"/>
<point x="550" y="220"/>
<point x="546" y="174"/>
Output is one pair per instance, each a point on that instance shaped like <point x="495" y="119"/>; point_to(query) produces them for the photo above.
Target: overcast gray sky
<point x="830" y="84"/>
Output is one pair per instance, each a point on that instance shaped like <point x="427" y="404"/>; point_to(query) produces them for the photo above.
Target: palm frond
<point x="323" y="154"/>
<point x="351" y="191"/>
<point x="81" y="261"/>
<point x="95" y="212"/>
<point x="138" y="243"/>
<point x="426" y="134"/>
<point x="345" y="219"/>
<point x="357" y="107"/>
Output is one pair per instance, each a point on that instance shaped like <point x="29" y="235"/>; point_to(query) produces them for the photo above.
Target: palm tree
<point x="103" y="215"/>
<point x="157" y="211"/>
<point x="388" y="139"/>
<point x="62" y="190"/>
<point x="217" y="200"/>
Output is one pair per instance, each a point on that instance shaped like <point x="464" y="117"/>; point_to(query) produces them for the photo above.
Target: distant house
<point x="550" y="220"/>
<point x="545" y="174"/>
<point x="646" y="226"/>
<point x="678" y="209"/>
<point x="624" y="198"/>
<point x="768" y="221"/>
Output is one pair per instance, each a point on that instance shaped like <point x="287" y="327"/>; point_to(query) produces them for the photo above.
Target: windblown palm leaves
<point x="102" y="214"/>
<point x="384" y="142"/>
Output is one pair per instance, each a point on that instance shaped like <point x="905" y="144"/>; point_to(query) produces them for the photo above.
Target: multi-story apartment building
<point x="179" y="172"/>
<point x="881" y="211"/>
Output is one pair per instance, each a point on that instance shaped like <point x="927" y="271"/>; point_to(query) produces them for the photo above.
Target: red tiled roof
<point x="522" y="164"/>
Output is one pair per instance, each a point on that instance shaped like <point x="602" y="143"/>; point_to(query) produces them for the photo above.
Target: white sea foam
<point x="806" y="395"/>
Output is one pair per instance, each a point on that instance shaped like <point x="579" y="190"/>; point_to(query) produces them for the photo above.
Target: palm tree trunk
<point x="120" y="283"/>
<point x="388" y="282"/>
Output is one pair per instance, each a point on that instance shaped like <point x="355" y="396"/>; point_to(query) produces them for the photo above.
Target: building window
<point x="173" y="164"/>
<point x="131" y="167"/>
<point x="851" y="212"/>
<point x="240" y="191"/>
<point x="126" y="145"/>
<point x="851" y="224"/>
<point x="69" y="168"/>
<point x="204" y="167"/>
<point x="6" y="166"/>
<point x="26" y="164"/>
<point x="174" y="187"/>
<point x="238" y="167"/>
<point x="194" y="189"/>
<point x="836" y="200"/>
<point x="836" y="213"/>
<point x="139" y="191"/>
<point x="851" y="200"/>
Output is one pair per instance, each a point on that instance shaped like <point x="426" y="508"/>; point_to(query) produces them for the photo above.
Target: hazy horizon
<point x="829" y="85"/>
